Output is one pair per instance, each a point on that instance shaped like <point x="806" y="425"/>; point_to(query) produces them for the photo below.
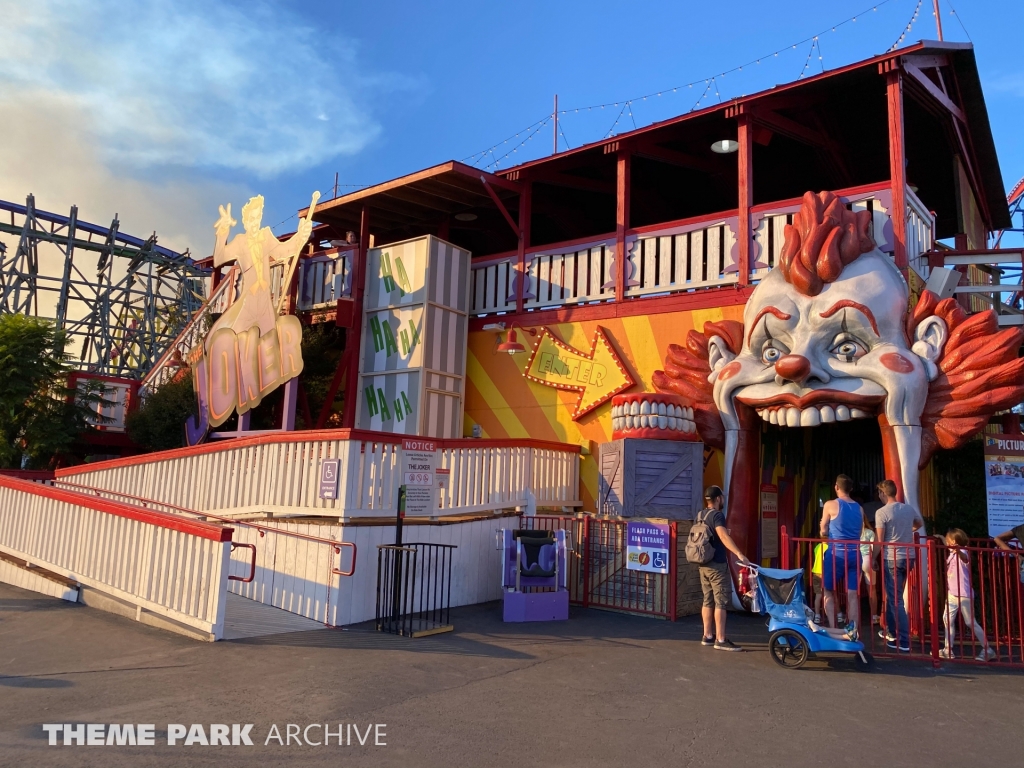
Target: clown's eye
<point x="847" y="348"/>
<point x="771" y="352"/>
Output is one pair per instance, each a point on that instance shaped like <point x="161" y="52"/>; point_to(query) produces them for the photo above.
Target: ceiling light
<point x="465" y="216"/>
<point x="725" y="146"/>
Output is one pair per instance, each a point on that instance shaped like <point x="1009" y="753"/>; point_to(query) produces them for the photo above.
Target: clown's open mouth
<point x="823" y="406"/>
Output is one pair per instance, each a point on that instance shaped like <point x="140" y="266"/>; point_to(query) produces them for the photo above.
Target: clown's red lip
<point x="816" y="398"/>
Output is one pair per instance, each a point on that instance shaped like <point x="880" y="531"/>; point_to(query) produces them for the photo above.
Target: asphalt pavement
<point x="602" y="689"/>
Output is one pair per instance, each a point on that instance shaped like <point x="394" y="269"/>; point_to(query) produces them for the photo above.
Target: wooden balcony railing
<point x="680" y="256"/>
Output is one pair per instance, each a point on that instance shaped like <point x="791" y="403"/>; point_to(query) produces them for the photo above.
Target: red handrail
<point x="252" y="565"/>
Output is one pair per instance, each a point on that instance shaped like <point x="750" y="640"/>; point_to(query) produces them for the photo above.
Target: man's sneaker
<point x="852" y="632"/>
<point x="726" y="645"/>
<point x="707" y="641"/>
<point x="986" y="655"/>
<point x="889" y="639"/>
<point x="945" y="653"/>
<point x="905" y="648"/>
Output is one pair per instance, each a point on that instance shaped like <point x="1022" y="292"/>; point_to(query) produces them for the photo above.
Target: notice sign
<point x="647" y="547"/>
<point x="769" y="520"/>
<point x="418" y="465"/>
<point x="330" y="471"/>
<point x="1004" y="482"/>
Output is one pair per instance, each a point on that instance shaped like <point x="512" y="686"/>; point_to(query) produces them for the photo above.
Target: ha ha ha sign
<point x="251" y="349"/>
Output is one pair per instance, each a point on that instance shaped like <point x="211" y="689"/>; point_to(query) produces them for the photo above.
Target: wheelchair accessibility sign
<point x="647" y="547"/>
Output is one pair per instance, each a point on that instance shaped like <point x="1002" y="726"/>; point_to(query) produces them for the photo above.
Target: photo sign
<point x="647" y="547"/>
<point x="418" y="467"/>
<point x="1004" y="482"/>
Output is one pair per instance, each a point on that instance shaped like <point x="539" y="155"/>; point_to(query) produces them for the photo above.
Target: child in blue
<point x="842" y="520"/>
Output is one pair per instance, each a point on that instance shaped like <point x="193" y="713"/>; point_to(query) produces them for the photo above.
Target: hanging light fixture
<point x="725" y="146"/>
<point x="511" y="344"/>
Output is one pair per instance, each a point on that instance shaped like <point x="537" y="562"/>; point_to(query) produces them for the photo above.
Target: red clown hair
<point x="686" y="373"/>
<point x="979" y="373"/>
<point x="823" y="238"/>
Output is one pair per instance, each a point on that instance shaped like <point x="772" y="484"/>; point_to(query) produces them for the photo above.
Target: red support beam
<point x="354" y="336"/>
<point x="746" y="196"/>
<point x="621" y="222"/>
<point x="501" y="206"/>
<point x="525" y="211"/>
<point x="897" y="166"/>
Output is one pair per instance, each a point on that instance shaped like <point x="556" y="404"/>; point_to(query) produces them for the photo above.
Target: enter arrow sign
<point x="597" y="376"/>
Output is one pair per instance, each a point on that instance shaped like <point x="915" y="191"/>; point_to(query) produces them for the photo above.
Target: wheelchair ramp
<point x="247" y="618"/>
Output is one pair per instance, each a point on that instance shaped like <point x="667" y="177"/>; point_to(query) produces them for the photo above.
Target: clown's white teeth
<point x="773" y="416"/>
<point x="645" y="420"/>
<point x="645" y="407"/>
<point x="857" y="413"/>
<point x="634" y="408"/>
<point x="828" y="416"/>
<point x="809" y="417"/>
<point x="842" y="413"/>
<point x="662" y="422"/>
<point x="792" y="417"/>
<point x="629" y="421"/>
<point x="671" y="422"/>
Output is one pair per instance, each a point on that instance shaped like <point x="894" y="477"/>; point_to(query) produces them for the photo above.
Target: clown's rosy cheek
<point x="729" y="371"/>
<point x="896" y="362"/>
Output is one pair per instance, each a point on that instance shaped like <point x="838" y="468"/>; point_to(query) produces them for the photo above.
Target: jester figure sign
<point x="829" y="336"/>
<point x="251" y="349"/>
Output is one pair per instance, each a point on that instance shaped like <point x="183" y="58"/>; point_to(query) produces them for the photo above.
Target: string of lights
<point x="959" y="20"/>
<point x="906" y="30"/>
<point x="478" y="156"/>
<point x="625" y="104"/>
<point x="497" y="161"/>
<point x="814" y="47"/>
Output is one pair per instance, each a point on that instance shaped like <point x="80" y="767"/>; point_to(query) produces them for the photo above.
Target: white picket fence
<point x="170" y="566"/>
<point x="279" y="474"/>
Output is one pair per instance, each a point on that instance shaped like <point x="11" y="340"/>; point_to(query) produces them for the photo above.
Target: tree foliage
<point x="159" y="423"/>
<point x="40" y="416"/>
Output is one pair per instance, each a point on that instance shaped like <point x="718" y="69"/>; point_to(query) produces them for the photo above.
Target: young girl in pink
<point x="960" y="596"/>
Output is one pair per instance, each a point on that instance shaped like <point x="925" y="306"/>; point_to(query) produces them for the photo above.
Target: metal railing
<point x="414" y="589"/>
<point x="939" y="627"/>
<point x="597" y="572"/>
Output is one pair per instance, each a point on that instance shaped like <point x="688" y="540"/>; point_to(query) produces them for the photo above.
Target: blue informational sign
<point x="647" y="547"/>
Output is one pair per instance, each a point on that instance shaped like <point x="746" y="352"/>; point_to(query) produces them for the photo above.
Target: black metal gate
<point x="414" y="589"/>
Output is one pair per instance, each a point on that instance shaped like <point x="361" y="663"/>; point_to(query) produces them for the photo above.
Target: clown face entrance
<point x="803" y="463"/>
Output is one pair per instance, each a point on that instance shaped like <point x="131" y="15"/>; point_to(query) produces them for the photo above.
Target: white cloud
<point x="144" y="108"/>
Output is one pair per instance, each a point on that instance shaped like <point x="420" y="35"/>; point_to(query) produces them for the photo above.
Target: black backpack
<point x="700" y="544"/>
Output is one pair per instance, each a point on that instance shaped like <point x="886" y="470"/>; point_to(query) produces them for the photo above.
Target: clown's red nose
<point x="793" y="368"/>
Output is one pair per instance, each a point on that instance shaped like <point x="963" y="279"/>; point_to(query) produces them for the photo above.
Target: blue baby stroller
<point x="794" y="636"/>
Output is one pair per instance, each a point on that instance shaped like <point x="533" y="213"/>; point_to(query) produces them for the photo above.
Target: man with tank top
<point x="842" y="520"/>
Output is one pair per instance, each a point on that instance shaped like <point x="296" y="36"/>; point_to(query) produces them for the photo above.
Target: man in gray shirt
<point x="895" y="523"/>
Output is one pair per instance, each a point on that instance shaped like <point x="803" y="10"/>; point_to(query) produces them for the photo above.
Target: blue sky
<point x="162" y="111"/>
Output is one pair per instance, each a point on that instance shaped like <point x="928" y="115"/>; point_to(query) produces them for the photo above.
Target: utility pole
<point x="938" y="19"/>
<point x="335" y="183"/>
<point x="555" y="115"/>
